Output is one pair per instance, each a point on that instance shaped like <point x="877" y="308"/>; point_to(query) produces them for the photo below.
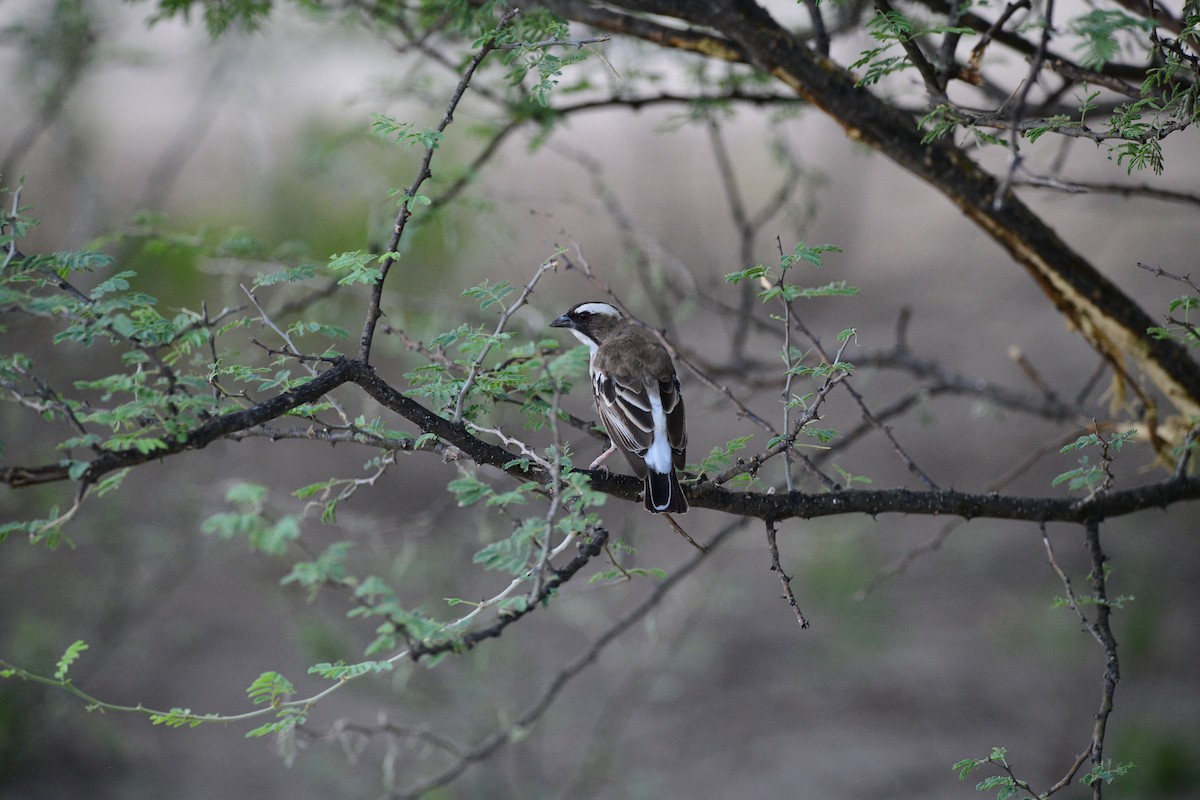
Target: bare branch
<point x="485" y="748"/>
<point x="784" y="579"/>
<point x="375" y="311"/>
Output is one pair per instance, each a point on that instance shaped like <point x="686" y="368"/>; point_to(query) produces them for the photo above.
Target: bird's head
<point x="591" y="322"/>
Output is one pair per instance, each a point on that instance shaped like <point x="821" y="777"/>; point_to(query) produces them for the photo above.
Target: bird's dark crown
<point x="592" y="319"/>
<point x="594" y="308"/>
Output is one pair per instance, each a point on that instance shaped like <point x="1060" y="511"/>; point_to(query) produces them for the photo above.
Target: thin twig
<point x="1018" y="109"/>
<point x="784" y="579"/>
<point x="546" y="43"/>
<point x="473" y="371"/>
<point x="1162" y="273"/>
<point x="862" y="405"/>
<point x="294" y="351"/>
<point x="1102" y="631"/>
<point x="375" y="310"/>
<point x="679" y="529"/>
<point x="485" y="748"/>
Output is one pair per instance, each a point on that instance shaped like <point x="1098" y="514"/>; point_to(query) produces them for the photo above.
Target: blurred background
<point x="716" y="693"/>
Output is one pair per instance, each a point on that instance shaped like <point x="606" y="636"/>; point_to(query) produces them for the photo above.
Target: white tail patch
<point x="658" y="457"/>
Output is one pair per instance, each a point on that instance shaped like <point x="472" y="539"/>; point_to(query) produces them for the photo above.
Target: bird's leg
<point x="611" y="449"/>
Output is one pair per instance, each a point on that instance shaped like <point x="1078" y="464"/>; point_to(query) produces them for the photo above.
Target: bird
<point x="638" y="398"/>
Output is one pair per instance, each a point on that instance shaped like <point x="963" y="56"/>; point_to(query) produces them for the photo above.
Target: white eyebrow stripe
<point x="597" y="308"/>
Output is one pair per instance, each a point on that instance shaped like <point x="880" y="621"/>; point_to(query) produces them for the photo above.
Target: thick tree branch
<point x="775" y="506"/>
<point x="946" y="502"/>
<point x="199" y="437"/>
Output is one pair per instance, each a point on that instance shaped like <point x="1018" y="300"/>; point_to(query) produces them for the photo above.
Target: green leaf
<point x="344" y="672"/>
<point x="111" y="482"/>
<point x="809" y="253"/>
<point x="1081" y="477"/>
<point x="468" y="489"/>
<point x="68" y="658"/>
<point x="289" y="275"/>
<point x="512" y="554"/>
<point x="270" y="688"/>
<point x="287" y="718"/>
<point x="355" y="264"/>
<point x="246" y="15"/>
<point x="404" y="132"/>
<point x="722" y="456"/>
<point x="754" y="273"/>
<point x="1087" y="440"/>
<point x="177" y="718"/>
<point x="1106" y="772"/>
<point x="1099" y="29"/>
<point x="328" y="567"/>
<point x="489" y="295"/>
<point x="517" y="495"/>
<point x="117" y="283"/>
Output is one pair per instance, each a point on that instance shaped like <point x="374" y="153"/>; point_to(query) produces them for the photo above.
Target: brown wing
<point x="624" y="409"/>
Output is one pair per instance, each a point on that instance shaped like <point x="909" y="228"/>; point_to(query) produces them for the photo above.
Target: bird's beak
<point x="562" y="322"/>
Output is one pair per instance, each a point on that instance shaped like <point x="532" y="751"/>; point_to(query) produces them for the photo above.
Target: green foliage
<point x="489" y="295"/>
<point x="288" y="717"/>
<point x="513" y="554"/>
<point x="48" y="531"/>
<point x="218" y="16"/>
<point x="822" y="370"/>
<point x="358" y="266"/>
<point x="1088" y="475"/>
<point x="1117" y="441"/>
<point x="1105" y="772"/>
<point x="328" y="568"/>
<point x="341" y="671"/>
<point x="1005" y="786"/>
<point x="722" y="455"/>
<point x="939" y="121"/>
<point x="892" y="28"/>
<point x="530" y="62"/>
<point x="1120" y="601"/>
<point x="179" y="718"/>
<point x="250" y="520"/>
<point x="68" y="658"/>
<point x="295" y="274"/>
<point x="405" y="133"/>
<point x="270" y="688"/>
<point x="772" y="279"/>
<point x="1099" y="29"/>
<point x="505" y="370"/>
<point x="628" y="573"/>
<point x="849" y="479"/>
<point x="1182" y="330"/>
<point x="1171" y="101"/>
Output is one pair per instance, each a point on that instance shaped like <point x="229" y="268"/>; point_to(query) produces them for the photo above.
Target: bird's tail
<point x="663" y="493"/>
